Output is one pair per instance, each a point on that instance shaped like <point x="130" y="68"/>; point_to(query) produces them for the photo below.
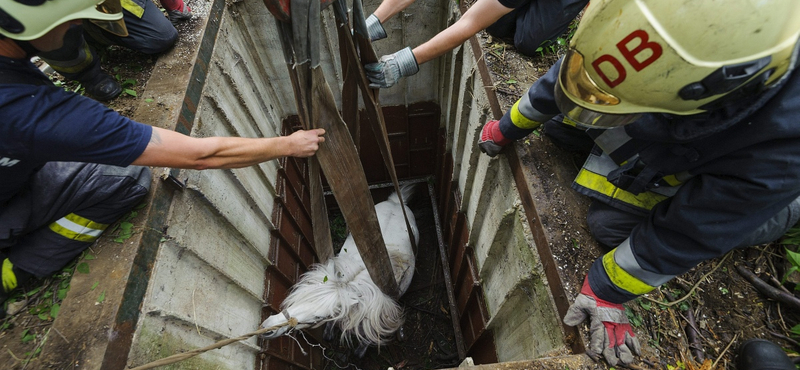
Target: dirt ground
<point x="724" y="307"/>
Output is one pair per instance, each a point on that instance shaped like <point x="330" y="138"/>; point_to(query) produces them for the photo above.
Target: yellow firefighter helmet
<point x="679" y="57"/>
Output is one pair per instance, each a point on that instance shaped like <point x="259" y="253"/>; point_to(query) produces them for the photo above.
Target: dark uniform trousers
<point x="536" y="22"/>
<point x="611" y="226"/>
<point x="149" y="32"/>
<point x="63" y="209"/>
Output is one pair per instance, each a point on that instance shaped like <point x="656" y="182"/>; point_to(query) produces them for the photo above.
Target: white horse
<point x="340" y="291"/>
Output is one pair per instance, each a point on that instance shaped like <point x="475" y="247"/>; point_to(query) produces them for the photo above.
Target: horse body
<point x="341" y="290"/>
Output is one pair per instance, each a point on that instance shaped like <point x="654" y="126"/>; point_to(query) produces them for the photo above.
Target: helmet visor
<point x="117" y="26"/>
<point x="575" y="92"/>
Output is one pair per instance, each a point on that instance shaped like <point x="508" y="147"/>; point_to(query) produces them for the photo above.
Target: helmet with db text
<point x="630" y="57"/>
<point x="27" y="20"/>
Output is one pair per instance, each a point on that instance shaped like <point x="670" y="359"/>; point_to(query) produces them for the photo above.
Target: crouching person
<point x="69" y="166"/>
<point x="690" y="124"/>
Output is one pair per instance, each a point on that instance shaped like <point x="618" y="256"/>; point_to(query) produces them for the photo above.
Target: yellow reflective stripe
<point x="9" y="279"/>
<point x="600" y="184"/>
<point x="78" y="228"/>
<point x="622" y="278"/>
<point x="672" y="180"/>
<point x="569" y="121"/>
<point x="132" y="7"/>
<point x="519" y="119"/>
<point x="80" y="66"/>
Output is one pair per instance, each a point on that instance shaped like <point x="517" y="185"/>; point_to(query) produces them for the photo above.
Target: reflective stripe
<point x="81" y="62"/>
<point x="525" y="107"/>
<point x="627" y="261"/>
<point x="78" y="228"/>
<point x="598" y="183"/>
<point x="677" y="179"/>
<point x="520" y="120"/>
<point x="622" y="278"/>
<point x="569" y="121"/>
<point x="9" y="279"/>
<point x="132" y="7"/>
<point x="612" y="139"/>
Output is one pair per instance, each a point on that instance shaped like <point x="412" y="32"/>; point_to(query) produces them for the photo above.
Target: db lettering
<point x="642" y="43"/>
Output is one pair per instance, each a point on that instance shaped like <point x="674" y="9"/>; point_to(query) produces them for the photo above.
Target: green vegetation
<point x="559" y="45"/>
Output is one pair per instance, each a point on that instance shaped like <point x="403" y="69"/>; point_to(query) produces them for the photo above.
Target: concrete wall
<point x="523" y="316"/>
<point x="208" y="277"/>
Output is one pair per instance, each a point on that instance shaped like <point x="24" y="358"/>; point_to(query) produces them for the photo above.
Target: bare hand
<point x="304" y="143"/>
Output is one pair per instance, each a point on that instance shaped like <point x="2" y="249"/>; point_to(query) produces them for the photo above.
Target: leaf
<point x="62" y="293"/>
<point x="102" y="297"/>
<point x="34" y="291"/>
<point x="325" y="279"/>
<point x="27" y="337"/>
<point x="89" y="257"/>
<point x="96" y="283"/>
<point x="130" y="92"/>
<point x="796" y="330"/>
<point x="793" y="257"/>
<point x="83" y="268"/>
<point x="148" y="100"/>
<point x="54" y="310"/>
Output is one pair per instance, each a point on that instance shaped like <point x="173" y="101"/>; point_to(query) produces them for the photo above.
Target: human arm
<point x="406" y="62"/>
<point x="534" y="108"/>
<point x="737" y="200"/>
<point x="172" y="149"/>
<point x="387" y="9"/>
<point x="390" y="8"/>
<point x="480" y="15"/>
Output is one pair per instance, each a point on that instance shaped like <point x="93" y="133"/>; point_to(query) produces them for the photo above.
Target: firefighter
<point x="525" y="23"/>
<point x="143" y="28"/>
<point x="69" y="165"/>
<point x="688" y="111"/>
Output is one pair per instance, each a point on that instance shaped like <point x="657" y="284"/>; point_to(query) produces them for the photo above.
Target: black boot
<point x="760" y="354"/>
<point x="100" y="85"/>
<point x="10" y="278"/>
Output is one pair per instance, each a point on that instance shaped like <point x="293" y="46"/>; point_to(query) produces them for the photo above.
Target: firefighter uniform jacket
<point x="704" y="182"/>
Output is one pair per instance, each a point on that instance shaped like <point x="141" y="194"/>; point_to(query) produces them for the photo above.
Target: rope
<point x="186" y="355"/>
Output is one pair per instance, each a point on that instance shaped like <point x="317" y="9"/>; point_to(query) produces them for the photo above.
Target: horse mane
<point x="349" y="297"/>
<point x="342" y="291"/>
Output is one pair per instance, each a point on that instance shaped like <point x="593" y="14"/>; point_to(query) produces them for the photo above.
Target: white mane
<point x="342" y="291"/>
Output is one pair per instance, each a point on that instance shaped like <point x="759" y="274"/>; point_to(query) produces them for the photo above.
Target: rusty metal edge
<point x="572" y="336"/>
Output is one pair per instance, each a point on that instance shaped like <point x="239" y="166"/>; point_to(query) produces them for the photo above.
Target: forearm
<point x="443" y="42"/>
<point x="390" y="8"/>
<point x="171" y="149"/>
<point x="479" y="16"/>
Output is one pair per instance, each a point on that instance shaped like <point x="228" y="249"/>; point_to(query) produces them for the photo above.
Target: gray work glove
<point x="611" y="333"/>
<point x="391" y="67"/>
<point x="375" y="28"/>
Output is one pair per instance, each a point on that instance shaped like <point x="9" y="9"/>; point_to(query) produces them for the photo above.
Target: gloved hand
<point x="611" y="333"/>
<point x="375" y="28"/>
<point x="391" y="67"/>
<point x="492" y="140"/>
